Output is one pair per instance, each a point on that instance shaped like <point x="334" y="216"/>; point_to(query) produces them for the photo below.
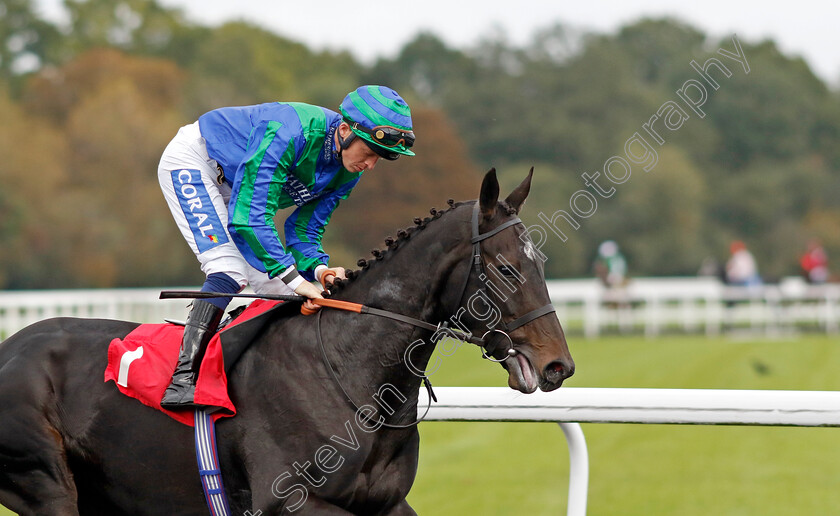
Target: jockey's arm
<point x="254" y="203"/>
<point x="305" y="229"/>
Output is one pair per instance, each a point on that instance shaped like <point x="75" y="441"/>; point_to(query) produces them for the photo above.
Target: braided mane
<point x="393" y="243"/>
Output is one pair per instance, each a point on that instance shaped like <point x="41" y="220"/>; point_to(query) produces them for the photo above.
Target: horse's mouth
<point x="521" y="374"/>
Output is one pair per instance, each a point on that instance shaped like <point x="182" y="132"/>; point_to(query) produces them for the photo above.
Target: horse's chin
<point x="521" y="374"/>
<point x="546" y="386"/>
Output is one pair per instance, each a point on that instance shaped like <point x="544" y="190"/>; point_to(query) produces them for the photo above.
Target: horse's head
<point x="510" y="297"/>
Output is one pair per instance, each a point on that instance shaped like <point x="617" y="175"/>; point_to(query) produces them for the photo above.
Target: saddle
<point x="142" y="362"/>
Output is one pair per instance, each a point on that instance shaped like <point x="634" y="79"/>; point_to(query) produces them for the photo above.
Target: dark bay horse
<point x="71" y="444"/>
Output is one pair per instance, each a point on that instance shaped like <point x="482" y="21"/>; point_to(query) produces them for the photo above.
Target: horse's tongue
<point x="527" y="374"/>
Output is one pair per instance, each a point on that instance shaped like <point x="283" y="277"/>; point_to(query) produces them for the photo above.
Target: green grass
<point x="522" y="468"/>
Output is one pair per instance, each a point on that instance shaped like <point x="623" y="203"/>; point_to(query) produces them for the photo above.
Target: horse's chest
<point x="364" y="473"/>
<point x="367" y="475"/>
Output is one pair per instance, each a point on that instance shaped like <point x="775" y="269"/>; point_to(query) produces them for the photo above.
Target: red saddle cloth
<point x="142" y="364"/>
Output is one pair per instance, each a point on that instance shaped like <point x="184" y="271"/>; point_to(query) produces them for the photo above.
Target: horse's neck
<point x="409" y="280"/>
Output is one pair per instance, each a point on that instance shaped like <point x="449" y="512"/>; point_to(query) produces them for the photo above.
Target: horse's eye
<point x="506" y="270"/>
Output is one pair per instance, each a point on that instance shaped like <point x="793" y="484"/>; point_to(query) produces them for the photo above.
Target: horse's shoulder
<point x="240" y="338"/>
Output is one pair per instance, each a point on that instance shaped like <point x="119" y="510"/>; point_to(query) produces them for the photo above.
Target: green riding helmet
<point x="381" y="118"/>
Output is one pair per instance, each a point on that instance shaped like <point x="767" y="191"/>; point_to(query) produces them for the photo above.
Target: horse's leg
<point x="35" y="478"/>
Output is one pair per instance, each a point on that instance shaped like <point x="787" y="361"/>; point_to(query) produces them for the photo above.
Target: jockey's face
<point x="357" y="156"/>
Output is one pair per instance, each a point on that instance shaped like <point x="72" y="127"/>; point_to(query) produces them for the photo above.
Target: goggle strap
<point x="343" y="143"/>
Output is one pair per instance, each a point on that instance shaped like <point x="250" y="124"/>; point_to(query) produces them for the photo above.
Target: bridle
<point x="488" y="348"/>
<point x="503" y="328"/>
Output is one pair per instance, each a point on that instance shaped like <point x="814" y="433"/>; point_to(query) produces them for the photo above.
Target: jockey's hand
<point x="326" y="276"/>
<point x="310" y="291"/>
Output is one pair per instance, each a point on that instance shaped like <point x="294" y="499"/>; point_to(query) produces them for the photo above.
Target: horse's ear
<point x="517" y="197"/>
<point x="489" y="196"/>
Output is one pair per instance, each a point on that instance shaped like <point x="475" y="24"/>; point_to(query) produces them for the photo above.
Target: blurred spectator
<point x="741" y="269"/>
<point x="610" y="265"/>
<point x="815" y="263"/>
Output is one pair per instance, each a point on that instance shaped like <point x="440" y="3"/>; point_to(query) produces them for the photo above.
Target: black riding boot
<point x="201" y="326"/>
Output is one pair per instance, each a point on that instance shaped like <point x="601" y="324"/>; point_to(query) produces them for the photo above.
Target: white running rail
<point x="19" y="309"/>
<point x="652" y="306"/>
<point x="570" y="406"/>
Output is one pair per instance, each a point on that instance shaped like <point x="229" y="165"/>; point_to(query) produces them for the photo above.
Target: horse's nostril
<point x="555" y="372"/>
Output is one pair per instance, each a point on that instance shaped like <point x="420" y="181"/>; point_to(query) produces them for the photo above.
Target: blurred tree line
<point x="88" y="108"/>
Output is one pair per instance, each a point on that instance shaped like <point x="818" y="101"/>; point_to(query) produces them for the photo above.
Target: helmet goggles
<point x="386" y="135"/>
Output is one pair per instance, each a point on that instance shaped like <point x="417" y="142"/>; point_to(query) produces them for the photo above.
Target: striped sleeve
<point x="254" y="198"/>
<point x="305" y="228"/>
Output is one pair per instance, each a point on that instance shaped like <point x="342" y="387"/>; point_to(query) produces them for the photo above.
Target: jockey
<point x="225" y="176"/>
